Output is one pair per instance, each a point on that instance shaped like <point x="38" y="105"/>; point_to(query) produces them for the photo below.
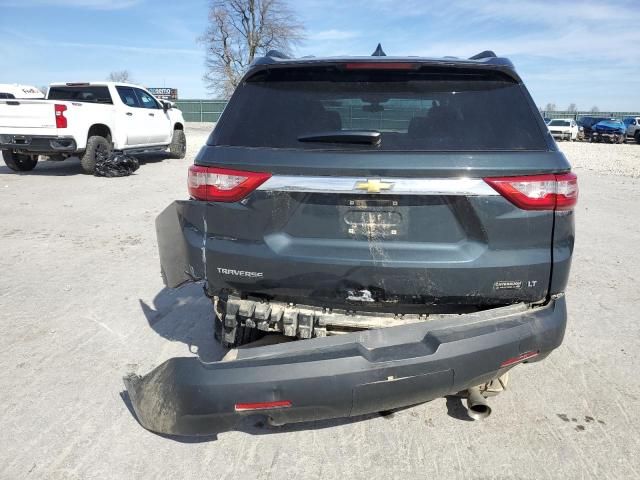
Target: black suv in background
<point x="408" y="220"/>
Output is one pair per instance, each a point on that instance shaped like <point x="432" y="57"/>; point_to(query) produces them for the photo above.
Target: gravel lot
<point x="82" y="303"/>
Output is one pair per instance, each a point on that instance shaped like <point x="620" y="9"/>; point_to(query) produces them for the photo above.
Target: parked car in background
<point x="89" y="120"/>
<point x="563" y="129"/>
<point x="14" y="90"/>
<point x="633" y="127"/>
<point x="547" y="120"/>
<point x="585" y="125"/>
<point x="609" y="131"/>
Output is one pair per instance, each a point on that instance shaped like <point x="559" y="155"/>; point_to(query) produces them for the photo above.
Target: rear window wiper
<point x="367" y="137"/>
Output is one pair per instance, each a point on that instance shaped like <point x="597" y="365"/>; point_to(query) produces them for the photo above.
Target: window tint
<point x="128" y="96"/>
<point x="84" y="93"/>
<point x="559" y="123"/>
<point x="6" y="95"/>
<point x="427" y="111"/>
<point x="146" y="100"/>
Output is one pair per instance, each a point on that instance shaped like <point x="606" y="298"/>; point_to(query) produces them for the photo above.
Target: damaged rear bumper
<point x="345" y="375"/>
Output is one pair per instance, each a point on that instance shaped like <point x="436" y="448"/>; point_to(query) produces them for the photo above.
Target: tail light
<point x="222" y="184"/>
<point x="61" y="120"/>
<point x="538" y="192"/>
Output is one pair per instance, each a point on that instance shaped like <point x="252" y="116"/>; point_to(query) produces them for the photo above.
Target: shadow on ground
<point x="185" y="315"/>
<point x="457" y="410"/>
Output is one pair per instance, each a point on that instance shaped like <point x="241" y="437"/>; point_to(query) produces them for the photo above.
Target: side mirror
<point x="165" y="105"/>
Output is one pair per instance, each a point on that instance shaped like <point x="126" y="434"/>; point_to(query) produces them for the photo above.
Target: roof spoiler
<point x="277" y="54"/>
<point x="484" y="54"/>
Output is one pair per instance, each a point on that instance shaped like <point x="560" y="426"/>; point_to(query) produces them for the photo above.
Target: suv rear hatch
<point x="378" y="187"/>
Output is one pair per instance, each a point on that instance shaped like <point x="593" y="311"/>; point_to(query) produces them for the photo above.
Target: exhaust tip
<point x="479" y="412"/>
<point x="477" y="406"/>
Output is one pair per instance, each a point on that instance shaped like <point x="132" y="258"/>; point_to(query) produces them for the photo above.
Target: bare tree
<point x="551" y="107"/>
<point x="595" y="109"/>
<point x="240" y="30"/>
<point x="122" y="76"/>
<point x="572" y="108"/>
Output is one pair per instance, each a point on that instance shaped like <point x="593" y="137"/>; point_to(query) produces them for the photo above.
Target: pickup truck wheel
<point x="98" y="148"/>
<point x="637" y="136"/>
<point x="19" y="162"/>
<point x="178" y="145"/>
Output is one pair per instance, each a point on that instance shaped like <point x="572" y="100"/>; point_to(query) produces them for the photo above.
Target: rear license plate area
<point x="374" y="218"/>
<point x="21" y="140"/>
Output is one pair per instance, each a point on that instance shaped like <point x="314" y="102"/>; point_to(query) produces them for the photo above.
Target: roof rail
<point x="276" y="54"/>
<point x="484" y="54"/>
<point x="379" y="52"/>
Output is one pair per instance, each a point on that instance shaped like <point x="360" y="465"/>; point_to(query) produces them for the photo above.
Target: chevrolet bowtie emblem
<point x="374" y="186"/>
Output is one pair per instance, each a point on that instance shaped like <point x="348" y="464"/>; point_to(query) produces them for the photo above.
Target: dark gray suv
<point x="409" y="220"/>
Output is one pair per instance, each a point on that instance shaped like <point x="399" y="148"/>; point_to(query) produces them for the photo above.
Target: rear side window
<point x="415" y="111"/>
<point x="6" y="95"/>
<point x="86" y="94"/>
<point x="128" y="96"/>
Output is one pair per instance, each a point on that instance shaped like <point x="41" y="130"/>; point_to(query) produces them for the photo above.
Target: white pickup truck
<point x="88" y="120"/>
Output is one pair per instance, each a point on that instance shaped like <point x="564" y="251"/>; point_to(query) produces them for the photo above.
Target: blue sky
<point x="579" y="51"/>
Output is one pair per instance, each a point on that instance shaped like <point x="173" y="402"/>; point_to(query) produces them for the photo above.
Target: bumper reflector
<point x="520" y="358"/>
<point x="245" y="407"/>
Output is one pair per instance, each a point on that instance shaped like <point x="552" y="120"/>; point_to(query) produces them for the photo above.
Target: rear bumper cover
<point x="38" y="143"/>
<point x="346" y="375"/>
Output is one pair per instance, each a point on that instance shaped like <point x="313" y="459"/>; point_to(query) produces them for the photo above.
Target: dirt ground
<point x="82" y="303"/>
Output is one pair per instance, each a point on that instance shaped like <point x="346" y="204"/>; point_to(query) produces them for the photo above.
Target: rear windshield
<point x="89" y="94"/>
<point x="423" y="111"/>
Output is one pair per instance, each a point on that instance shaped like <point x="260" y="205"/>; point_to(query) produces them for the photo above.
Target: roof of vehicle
<point x="486" y="59"/>
<point x="97" y="83"/>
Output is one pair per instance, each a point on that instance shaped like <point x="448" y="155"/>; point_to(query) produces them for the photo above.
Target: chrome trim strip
<point x="403" y="186"/>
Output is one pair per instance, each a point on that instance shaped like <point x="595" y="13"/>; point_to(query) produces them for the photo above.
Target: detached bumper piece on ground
<point x="346" y="375"/>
